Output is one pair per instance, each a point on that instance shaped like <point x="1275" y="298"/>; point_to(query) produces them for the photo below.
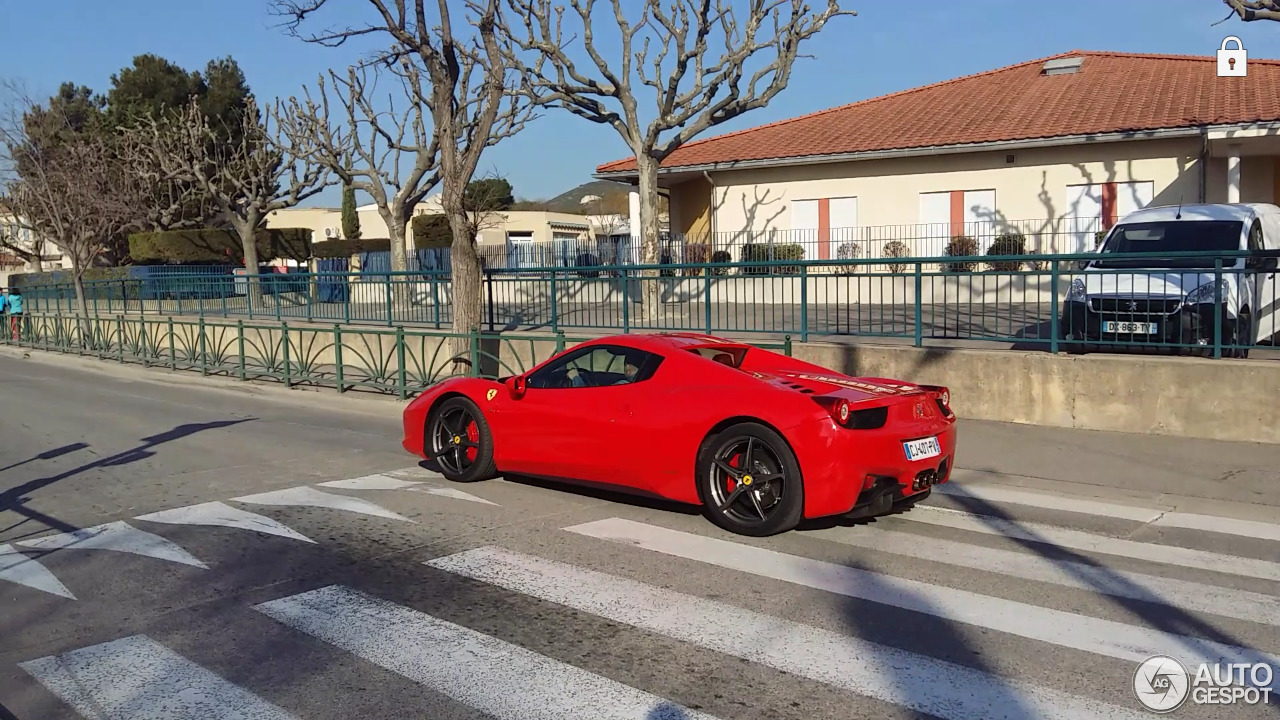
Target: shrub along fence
<point x="399" y="361"/>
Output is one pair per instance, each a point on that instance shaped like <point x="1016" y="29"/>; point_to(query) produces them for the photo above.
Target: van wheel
<point x="1243" y="334"/>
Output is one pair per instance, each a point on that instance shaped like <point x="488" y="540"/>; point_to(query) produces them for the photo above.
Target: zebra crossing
<point x="1145" y="598"/>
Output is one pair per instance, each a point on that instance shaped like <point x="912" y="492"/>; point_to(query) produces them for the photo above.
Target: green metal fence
<point x="1049" y="302"/>
<point x="396" y="360"/>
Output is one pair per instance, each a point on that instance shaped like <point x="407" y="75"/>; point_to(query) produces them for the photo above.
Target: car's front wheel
<point x="458" y="439"/>
<point x="749" y="481"/>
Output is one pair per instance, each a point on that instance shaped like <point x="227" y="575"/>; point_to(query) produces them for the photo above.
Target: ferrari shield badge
<point x="491" y="394"/>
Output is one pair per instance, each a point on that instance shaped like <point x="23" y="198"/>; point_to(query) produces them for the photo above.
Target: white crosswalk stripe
<point x="140" y="677"/>
<point x="1089" y="542"/>
<point x="505" y="681"/>
<point x="911" y="680"/>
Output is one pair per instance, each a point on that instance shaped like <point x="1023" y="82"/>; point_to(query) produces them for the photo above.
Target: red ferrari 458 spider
<point x="758" y="439"/>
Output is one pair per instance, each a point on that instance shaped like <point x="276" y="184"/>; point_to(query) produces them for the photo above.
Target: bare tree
<point x="247" y="180"/>
<point x="392" y="155"/>
<point x="471" y="104"/>
<point x="77" y="196"/>
<point x="19" y="239"/>
<point x="1251" y="10"/>
<point x="666" y="49"/>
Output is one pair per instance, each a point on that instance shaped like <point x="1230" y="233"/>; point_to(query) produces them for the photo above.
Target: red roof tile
<point x="1111" y="92"/>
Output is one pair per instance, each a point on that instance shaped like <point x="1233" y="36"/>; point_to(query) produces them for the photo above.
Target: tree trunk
<point x="87" y="338"/>
<point x="468" y="295"/>
<point x="397" y="228"/>
<point x="650" y="240"/>
<point x="249" y="246"/>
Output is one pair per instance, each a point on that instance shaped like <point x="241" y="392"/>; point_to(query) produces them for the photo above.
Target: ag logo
<point x="491" y="394"/>
<point x="1161" y="683"/>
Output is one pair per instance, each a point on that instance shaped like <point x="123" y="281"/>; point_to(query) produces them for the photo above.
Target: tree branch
<point x="1252" y="10"/>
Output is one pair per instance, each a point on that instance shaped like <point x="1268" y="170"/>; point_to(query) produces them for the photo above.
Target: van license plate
<point x="921" y="449"/>
<point x="1129" y="328"/>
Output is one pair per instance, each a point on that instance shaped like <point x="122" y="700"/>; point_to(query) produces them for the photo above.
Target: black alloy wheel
<point x="749" y="481"/>
<point x="458" y="439"/>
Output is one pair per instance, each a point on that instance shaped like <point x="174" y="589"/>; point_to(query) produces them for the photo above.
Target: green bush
<point x="718" y="257"/>
<point x="1098" y="238"/>
<point x="208" y="245"/>
<point x="765" y="252"/>
<point x="347" y="248"/>
<point x="960" y="246"/>
<point x="1007" y="244"/>
<point x="896" y="249"/>
<point x="64" y="277"/>
<point x="431" y="231"/>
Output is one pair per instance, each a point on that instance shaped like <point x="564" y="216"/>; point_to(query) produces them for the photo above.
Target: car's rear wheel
<point x="749" y="481"/>
<point x="458" y="439"/>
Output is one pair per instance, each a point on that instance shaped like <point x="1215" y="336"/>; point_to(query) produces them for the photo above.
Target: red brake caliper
<point x="473" y="435"/>
<point x="733" y="463"/>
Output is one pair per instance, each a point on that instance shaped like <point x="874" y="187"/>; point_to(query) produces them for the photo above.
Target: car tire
<point x="1243" y="335"/>
<point x="463" y="421"/>
<point x="781" y="498"/>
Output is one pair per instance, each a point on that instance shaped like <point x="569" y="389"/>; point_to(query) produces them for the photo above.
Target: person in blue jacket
<point x="13" y="304"/>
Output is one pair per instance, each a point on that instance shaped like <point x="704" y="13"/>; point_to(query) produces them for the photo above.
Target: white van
<point x="1171" y="301"/>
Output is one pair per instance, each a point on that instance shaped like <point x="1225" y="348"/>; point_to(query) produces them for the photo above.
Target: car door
<point x="567" y="423"/>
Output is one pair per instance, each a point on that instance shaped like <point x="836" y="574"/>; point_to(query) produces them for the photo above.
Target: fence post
<point x="919" y="306"/>
<point x="400" y="369"/>
<point x="474" y="343"/>
<point x="284" y="352"/>
<point x="435" y="298"/>
<point x="554" y="310"/>
<point x="559" y="341"/>
<point x="626" y="300"/>
<point x="786" y="345"/>
<point x="706" y="298"/>
<point x="804" y="303"/>
<point x="240" y="347"/>
<point x="173" y="353"/>
<point x="337" y="356"/>
<point x="120" y="336"/>
<point x="1055" y="327"/>
<point x="389" y="303"/>
<point x="204" y="359"/>
<point x="487" y="277"/>
<point x="350" y="285"/>
<point x="1217" y="307"/>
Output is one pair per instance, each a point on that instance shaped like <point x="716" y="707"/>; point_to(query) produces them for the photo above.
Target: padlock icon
<point x="1232" y="63"/>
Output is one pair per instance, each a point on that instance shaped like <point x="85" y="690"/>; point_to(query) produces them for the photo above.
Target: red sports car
<point x="758" y="439"/>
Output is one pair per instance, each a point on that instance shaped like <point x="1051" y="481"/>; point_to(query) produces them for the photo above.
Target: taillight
<point x="944" y="400"/>
<point x="846" y="416"/>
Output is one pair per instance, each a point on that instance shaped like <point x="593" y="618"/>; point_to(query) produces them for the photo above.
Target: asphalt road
<point x="185" y="548"/>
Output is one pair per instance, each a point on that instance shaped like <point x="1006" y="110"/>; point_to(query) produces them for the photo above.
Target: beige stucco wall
<point x="691" y="208"/>
<point x="1031" y="188"/>
<point x="543" y="225"/>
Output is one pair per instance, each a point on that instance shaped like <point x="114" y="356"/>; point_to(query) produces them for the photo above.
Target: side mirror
<point x="516" y="386"/>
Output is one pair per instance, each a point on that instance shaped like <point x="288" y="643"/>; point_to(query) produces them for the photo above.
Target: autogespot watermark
<point x="1163" y="684"/>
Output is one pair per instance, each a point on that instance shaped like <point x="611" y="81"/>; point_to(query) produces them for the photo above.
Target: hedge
<point x="431" y="231"/>
<point x="347" y="248"/>
<point x="58" y="277"/>
<point x="208" y="245"/>
<point x="765" y="252"/>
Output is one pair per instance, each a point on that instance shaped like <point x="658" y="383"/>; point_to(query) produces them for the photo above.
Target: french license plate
<point x="1129" y="328"/>
<point x="923" y="448"/>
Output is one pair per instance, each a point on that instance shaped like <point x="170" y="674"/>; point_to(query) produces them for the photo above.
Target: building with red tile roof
<point x="1055" y="148"/>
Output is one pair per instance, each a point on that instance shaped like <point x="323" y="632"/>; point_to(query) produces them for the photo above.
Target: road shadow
<point x="16" y="499"/>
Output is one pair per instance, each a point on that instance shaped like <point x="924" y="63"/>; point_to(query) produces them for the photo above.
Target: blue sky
<point x="886" y="48"/>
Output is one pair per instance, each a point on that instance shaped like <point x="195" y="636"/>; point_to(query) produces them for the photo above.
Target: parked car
<point x="1172" y="301"/>
<point x="760" y="440"/>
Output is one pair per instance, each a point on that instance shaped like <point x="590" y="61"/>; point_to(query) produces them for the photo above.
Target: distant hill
<point x="613" y="200"/>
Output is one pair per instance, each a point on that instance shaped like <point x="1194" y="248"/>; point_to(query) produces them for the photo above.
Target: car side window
<point x="597" y="366"/>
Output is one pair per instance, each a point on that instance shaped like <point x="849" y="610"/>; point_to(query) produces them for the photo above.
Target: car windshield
<point x="1172" y="236"/>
